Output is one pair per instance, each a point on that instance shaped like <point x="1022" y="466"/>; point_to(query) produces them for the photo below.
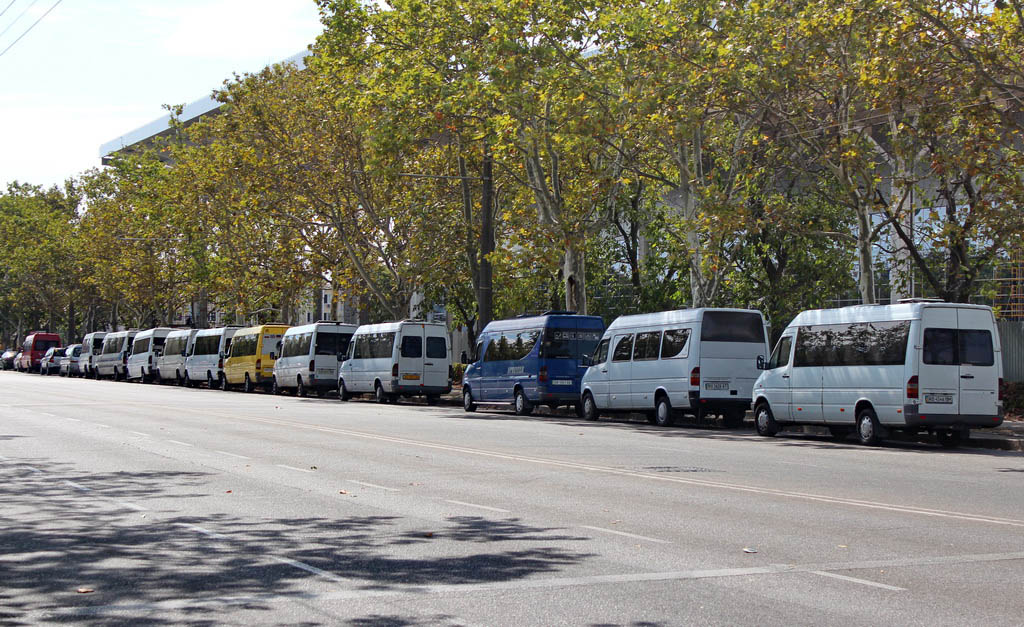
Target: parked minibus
<point x="35" y="346"/>
<point x="408" y="358"/>
<point x="917" y="366"/>
<point x="693" y="361"/>
<point x="206" y="361"/>
<point x="170" y="365"/>
<point x="309" y="357"/>
<point x="92" y="346"/>
<point x="531" y="360"/>
<point x="147" y="347"/>
<point x="113" y="358"/>
<point x="250" y="362"/>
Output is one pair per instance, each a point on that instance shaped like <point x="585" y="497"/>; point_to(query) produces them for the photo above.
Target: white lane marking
<point x="487" y="507"/>
<point x="33" y="469"/>
<point x="131" y="505"/>
<point x="856" y="580"/>
<point x="292" y="468"/>
<point x="179" y="442"/>
<point x="802" y="464"/>
<point x="374" y="485"/>
<point x="145" y="435"/>
<point x="100" y="424"/>
<point x="232" y="454"/>
<point x="4" y="458"/>
<point x="623" y="533"/>
<point x="308" y="568"/>
<point x="904" y="509"/>
<point x="524" y="584"/>
<point x="43" y="413"/>
<point x="78" y="486"/>
<point x="73" y="419"/>
<point x="205" y="532"/>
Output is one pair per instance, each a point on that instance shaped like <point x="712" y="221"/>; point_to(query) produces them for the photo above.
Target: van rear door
<point x="436" y="357"/>
<point x="410" y="356"/>
<point x="979" y="367"/>
<point x="730" y="343"/>
<point x="939" y="372"/>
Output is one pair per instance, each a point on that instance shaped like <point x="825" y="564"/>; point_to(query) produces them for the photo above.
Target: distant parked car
<point x="17" y="361"/>
<point x="70" y="363"/>
<point x="7" y="359"/>
<point x="50" y="362"/>
<point x="36" y="344"/>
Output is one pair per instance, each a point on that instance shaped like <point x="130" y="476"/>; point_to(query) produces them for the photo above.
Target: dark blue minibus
<point x="531" y="360"/>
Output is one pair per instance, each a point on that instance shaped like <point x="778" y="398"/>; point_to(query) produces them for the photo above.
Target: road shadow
<point x="62" y="529"/>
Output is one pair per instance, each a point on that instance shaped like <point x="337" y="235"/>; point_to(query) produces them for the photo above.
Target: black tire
<point x="467" y="401"/>
<point x="343" y="394"/>
<point x="274" y="389"/>
<point x="868" y="430"/>
<point x="764" y="421"/>
<point x="187" y="382"/>
<point x="589" y="408"/>
<point x="247" y="386"/>
<point x="300" y="388"/>
<point x="839" y="433"/>
<point x="950" y="439"/>
<point x="664" y="416"/>
<point x="379" y="395"/>
<point x="733" y="418"/>
<point x="209" y="381"/>
<point x="521" y="404"/>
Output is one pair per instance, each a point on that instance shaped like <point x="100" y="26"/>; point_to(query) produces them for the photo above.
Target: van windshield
<point x="732" y="326"/>
<point x="569" y="343"/>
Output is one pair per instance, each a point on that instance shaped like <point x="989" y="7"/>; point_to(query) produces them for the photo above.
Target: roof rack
<point x="920" y="300"/>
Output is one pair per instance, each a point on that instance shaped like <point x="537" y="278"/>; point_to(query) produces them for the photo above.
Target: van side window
<point x="780" y="357"/>
<point x="623" y="348"/>
<point x="304" y="342"/>
<point x="646" y="346"/>
<point x="675" y="343"/>
<point x="437" y="348"/>
<point x="601" y="352"/>
<point x="412" y="346"/>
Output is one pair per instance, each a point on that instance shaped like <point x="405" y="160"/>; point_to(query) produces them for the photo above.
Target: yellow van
<point x="250" y="361"/>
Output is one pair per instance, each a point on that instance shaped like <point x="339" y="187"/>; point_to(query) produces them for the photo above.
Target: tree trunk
<point x="573" y="272"/>
<point x="485" y="293"/>
<point x="866" y="282"/>
<point x="72" y="331"/>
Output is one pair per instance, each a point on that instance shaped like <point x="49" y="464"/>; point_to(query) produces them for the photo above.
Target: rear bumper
<point x="413" y="390"/>
<point x="913" y="418"/>
<point x="718" y="403"/>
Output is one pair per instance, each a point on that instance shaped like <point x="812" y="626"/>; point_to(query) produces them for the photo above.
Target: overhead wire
<point x="7" y="7"/>
<point x="20" y="15"/>
<point x="4" y="51"/>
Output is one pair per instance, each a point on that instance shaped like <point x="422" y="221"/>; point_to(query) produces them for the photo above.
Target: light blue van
<point x="531" y="360"/>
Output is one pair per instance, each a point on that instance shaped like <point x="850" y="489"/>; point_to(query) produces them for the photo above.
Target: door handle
<point x="967" y="376"/>
<point x="427" y="363"/>
<point x="785" y="376"/>
<point x="604" y="370"/>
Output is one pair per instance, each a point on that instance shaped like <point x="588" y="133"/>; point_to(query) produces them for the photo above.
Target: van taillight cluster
<point x="394" y="370"/>
<point x="259" y="365"/>
<point x="542" y="375"/>
<point x="695" y="376"/>
<point x="1001" y="388"/>
<point x="312" y="365"/>
<point x="912" y="387"/>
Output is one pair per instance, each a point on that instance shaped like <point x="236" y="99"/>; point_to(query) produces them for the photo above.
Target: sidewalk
<point x="1007" y="437"/>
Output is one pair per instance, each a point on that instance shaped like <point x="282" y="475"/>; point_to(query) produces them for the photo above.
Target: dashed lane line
<point x="179" y="442"/>
<point x="865" y="582"/>
<point x="486" y="507"/>
<point x="625" y="534"/>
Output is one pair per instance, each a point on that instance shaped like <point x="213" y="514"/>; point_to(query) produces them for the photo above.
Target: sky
<point x="93" y="70"/>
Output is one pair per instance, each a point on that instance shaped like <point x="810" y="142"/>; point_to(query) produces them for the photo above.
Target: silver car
<point x="69" y="363"/>
<point x="50" y="363"/>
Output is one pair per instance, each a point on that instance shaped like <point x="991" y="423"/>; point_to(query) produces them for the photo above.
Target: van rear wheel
<point x="379" y="395"/>
<point x="868" y="431"/>
<point x="300" y="388"/>
<point x="950" y="439"/>
<point x="521" y="404"/>
<point x="733" y="418"/>
<point x="663" y="414"/>
<point x="247" y="386"/>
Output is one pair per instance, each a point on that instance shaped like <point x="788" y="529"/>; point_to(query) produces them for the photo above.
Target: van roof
<point x="182" y="332"/>
<point x="263" y="328"/>
<point x="676" y="316"/>
<point x="875" y="313"/>
<point x="154" y="331"/>
<point x="216" y="330"/>
<point x="387" y="327"/>
<point x="322" y="324"/>
<point x="530" y="322"/>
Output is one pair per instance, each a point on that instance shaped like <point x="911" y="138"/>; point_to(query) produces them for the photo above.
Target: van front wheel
<point x="522" y="404"/>
<point x="467" y="401"/>
<point x="343" y="394"/>
<point x="867" y="427"/>
<point x="765" y="421"/>
<point x="590" y="411"/>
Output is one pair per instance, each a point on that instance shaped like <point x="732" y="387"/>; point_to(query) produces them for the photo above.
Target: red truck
<point x="36" y="344"/>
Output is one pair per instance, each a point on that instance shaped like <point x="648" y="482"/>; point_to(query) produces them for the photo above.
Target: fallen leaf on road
<point x="429" y="534"/>
<point x="85" y="590"/>
<point x="312" y="467"/>
<point x="749" y="550"/>
<point x="342" y="491"/>
<point x="227" y="491"/>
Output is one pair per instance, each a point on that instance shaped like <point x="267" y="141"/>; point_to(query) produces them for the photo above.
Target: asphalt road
<point x="190" y="506"/>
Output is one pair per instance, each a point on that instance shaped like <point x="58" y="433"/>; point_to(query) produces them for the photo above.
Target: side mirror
<point x="586" y="360"/>
<point x="760" y="363"/>
<point x="341" y="356"/>
<point x="273" y="356"/>
<point x="183" y="354"/>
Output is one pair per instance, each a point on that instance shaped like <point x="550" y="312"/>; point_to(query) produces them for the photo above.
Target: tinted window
<point x="437" y="348"/>
<point x="601" y="352"/>
<point x="572" y="343"/>
<point x="112" y="344"/>
<point x="976" y="348"/>
<point x="647" y="345"/>
<point x="623" y="348"/>
<point x="45" y="345"/>
<point x="731" y="326"/>
<point x="332" y="343"/>
<point x="206" y="345"/>
<point x="856" y="344"/>
<point x="97" y="344"/>
<point x="374" y="345"/>
<point x="939" y="347"/>
<point x="412" y="346"/>
<point x="140" y="346"/>
<point x="674" y="344"/>
<point x="77" y="352"/>
<point x="270" y="341"/>
<point x="158" y="342"/>
<point x="780" y="357"/>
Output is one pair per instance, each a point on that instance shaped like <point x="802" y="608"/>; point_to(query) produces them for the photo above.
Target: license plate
<point x="562" y="382"/>
<point x="323" y="371"/>
<point x="716" y="385"/>
<point x="939" y="399"/>
<point x="411" y="377"/>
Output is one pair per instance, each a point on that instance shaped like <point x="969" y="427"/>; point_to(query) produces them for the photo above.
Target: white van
<point x="171" y="364"/>
<point x="113" y="358"/>
<point x="915" y="366"/>
<point x="695" y="361"/>
<point x="206" y="361"/>
<point x="147" y="346"/>
<point x="92" y="346"/>
<point x="310" y="355"/>
<point x="395" y="359"/>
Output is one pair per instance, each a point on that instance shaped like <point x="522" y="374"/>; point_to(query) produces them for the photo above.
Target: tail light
<point x="124" y="357"/>
<point x="220" y="362"/>
<point x="394" y="370"/>
<point x="150" y="360"/>
<point x="542" y="376"/>
<point x="912" y="387"/>
<point x="1001" y="392"/>
<point x="312" y="365"/>
<point x="259" y="364"/>
<point x="695" y="376"/>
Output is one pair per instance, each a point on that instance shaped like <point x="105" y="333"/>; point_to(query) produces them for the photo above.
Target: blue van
<point x="531" y="360"/>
